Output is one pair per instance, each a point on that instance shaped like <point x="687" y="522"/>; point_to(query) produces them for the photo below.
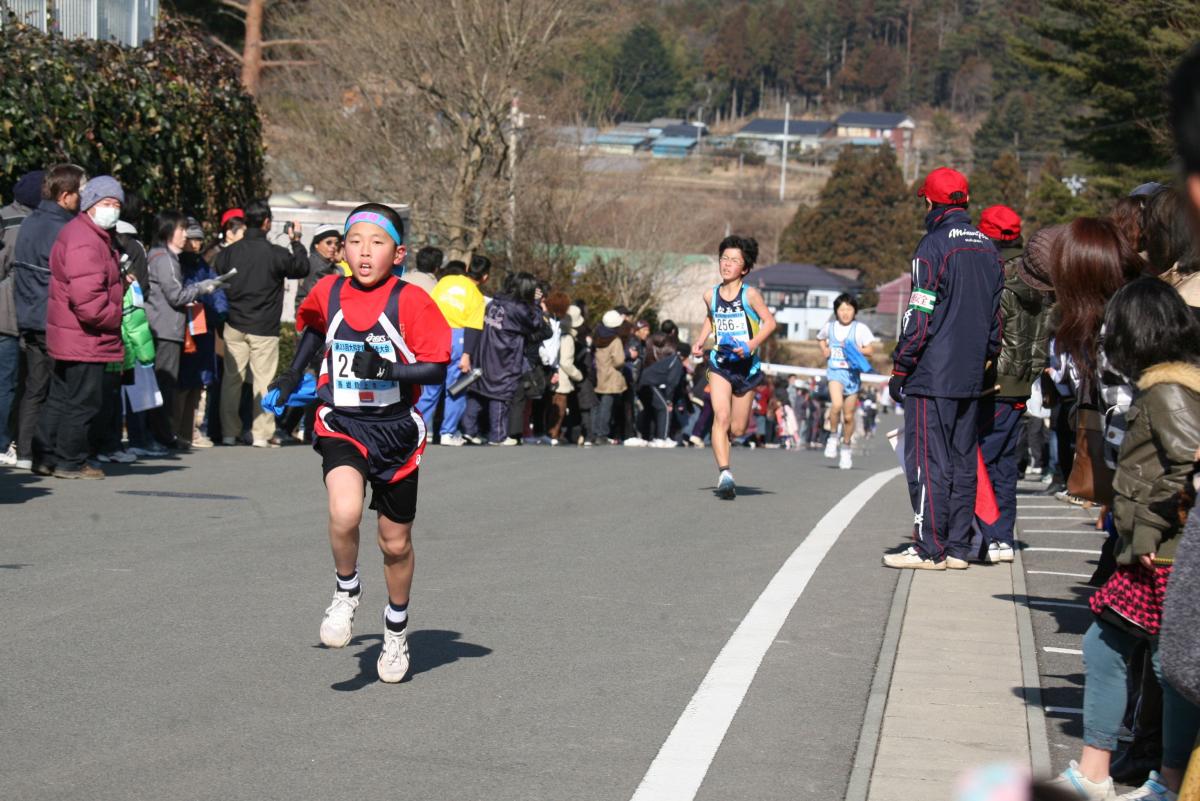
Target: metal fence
<point x="127" y="22"/>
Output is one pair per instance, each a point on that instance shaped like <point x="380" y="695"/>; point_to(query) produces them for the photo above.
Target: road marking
<point x="1058" y="506"/>
<point x="1056" y="517"/>
<point x="1071" y="651"/>
<point x="1067" y="604"/>
<point x="1065" y="550"/>
<point x="683" y="761"/>
<point x="1063" y="710"/>
<point x="1056" y="573"/>
<point x="1060" y="531"/>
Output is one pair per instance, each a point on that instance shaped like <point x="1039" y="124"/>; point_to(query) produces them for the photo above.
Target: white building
<point x="800" y="295"/>
<point x="127" y="22"/>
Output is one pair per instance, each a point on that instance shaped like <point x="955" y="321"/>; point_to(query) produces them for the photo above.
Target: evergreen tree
<point x="644" y="75"/>
<point x="1051" y="202"/>
<point x="1116" y="56"/>
<point x="866" y="219"/>
<point x="1002" y="182"/>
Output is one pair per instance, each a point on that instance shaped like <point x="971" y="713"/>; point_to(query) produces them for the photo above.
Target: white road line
<point x="1072" y="651"/>
<point x="1060" y="531"/>
<point x="1056" y="517"/>
<point x="1064" y="550"/>
<point x="1067" y="604"/>
<point x="1063" y="710"/>
<point x="1056" y="573"/>
<point x="679" y="769"/>
<point x="1057" y="506"/>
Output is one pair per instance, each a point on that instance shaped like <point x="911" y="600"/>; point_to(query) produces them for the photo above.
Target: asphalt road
<point x="160" y="628"/>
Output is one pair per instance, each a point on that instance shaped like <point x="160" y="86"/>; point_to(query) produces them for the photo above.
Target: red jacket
<point x="83" y="316"/>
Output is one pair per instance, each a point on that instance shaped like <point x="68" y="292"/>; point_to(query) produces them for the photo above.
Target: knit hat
<point x="28" y="189"/>
<point x="325" y="231"/>
<point x="1000" y="223"/>
<point x="612" y="319"/>
<point x="1034" y="268"/>
<point x="97" y="189"/>
<point x="575" y="316"/>
<point x="194" y="231"/>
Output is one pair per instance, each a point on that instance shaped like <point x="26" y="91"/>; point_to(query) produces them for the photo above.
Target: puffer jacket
<point x="167" y="300"/>
<point x="83" y="313"/>
<point x="568" y="374"/>
<point x="1024" y="345"/>
<point x="31" y="263"/>
<point x="1156" y="459"/>
<point x="610" y="357"/>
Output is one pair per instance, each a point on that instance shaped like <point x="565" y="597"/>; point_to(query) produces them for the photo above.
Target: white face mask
<point x="106" y="216"/>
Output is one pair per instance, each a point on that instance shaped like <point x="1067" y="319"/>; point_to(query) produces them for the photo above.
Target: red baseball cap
<point x="1000" y="222"/>
<point x="943" y="184"/>
<point x="232" y="214"/>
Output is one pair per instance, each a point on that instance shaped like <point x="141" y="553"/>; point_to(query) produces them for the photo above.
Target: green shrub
<point x="170" y="120"/>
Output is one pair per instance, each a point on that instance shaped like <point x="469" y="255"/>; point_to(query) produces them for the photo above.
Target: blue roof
<point x="621" y="139"/>
<point x="871" y="119"/>
<point x="686" y="131"/>
<point x="769" y="127"/>
<point x="674" y="141"/>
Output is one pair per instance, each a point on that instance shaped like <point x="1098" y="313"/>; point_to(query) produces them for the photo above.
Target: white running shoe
<point x="911" y="559"/>
<point x="1005" y="552"/>
<point x="393" y="659"/>
<point x="845" y="459"/>
<point x="697" y="442"/>
<point x="9" y="457"/>
<point x="452" y="440"/>
<point x="23" y="464"/>
<point x="635" y="442"/>
<point x="1152" y="790"/>
<point x="1076" y="785"/>
<point x="726" y="488"/>
<point x="508" y="442"/>
<point x="831" y="446"/>
<point x="338" y="626"/>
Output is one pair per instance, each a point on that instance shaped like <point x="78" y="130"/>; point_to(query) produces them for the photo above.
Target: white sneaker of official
<point x="338" y="626"/>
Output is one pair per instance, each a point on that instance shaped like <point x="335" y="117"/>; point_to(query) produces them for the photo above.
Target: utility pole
<point x="514" y="122"/>
<point x="787" y="113"/>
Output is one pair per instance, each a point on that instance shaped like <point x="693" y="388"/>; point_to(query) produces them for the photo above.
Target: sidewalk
<point x="956" y="696"/>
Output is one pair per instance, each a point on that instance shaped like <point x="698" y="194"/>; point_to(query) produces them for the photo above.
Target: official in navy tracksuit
<point x="949" y="332"/>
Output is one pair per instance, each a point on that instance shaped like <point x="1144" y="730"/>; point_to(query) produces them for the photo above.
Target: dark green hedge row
<point x="169" y="120"/>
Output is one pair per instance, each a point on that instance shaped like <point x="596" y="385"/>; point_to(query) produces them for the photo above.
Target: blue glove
<point x="303" y="395"/>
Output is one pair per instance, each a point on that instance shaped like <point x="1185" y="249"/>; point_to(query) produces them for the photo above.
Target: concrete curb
<point x="1035" y="712"/>
<point x="859" y="783"/>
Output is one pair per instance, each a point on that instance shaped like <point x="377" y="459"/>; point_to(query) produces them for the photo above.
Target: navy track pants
<point x="940" y="438"/>
<point x="999" y="434"/>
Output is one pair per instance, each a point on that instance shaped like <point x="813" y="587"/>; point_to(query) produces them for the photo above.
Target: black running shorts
<point x="397" y="502"/>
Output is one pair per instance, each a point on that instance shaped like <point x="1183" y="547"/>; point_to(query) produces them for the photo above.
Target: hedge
<point x="170" y="120"/>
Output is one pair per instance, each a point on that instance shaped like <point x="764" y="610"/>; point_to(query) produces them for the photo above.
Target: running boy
<point x="380" y="339"/>
<point x="741" y="322"/>
<point x="846" y="344"/>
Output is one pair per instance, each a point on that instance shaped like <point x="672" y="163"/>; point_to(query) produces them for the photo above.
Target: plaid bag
<point x="1136" y="594"/>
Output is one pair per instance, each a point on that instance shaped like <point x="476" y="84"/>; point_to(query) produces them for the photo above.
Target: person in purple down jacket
<point x="83" y="330"/>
